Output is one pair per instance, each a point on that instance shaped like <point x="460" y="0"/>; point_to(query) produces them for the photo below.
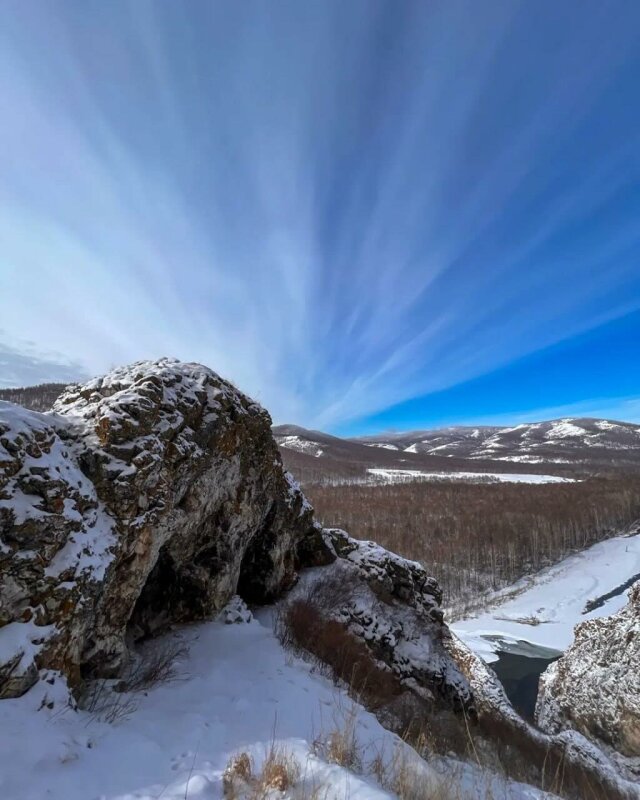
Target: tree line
<point x="477" y="538"/>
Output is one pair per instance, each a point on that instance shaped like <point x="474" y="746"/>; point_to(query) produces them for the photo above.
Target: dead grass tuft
<point x="341" y="745"/>
<point x="280" y="773"/>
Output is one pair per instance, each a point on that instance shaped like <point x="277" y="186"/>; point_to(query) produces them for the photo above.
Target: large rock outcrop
<point x="152" y="496"/>
<point x="147" y="497"/>
<point x="595" y="686"/>
<point x="586" y="770"/>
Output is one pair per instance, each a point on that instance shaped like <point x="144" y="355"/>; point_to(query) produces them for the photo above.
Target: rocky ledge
<point x="595" y="687"/>
<point x="393" y="606"/>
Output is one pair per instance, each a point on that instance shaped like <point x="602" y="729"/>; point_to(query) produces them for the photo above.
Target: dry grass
<point x="340" y="746"/>
<point x="280" y="772"/>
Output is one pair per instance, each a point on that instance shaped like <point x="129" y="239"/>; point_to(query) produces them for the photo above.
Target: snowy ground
<point x="543" y="610"/>
<point x="405" y="475"/>
<point x="238" y="690"/>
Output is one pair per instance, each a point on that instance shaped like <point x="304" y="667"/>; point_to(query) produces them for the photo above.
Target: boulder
<point x="595" y="686"/>
<point x="147" y="497"/>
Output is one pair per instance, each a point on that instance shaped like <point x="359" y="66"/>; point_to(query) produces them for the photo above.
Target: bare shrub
<point x="155" y="665"/>
<point x="114" y="701"/>
<point x="302" y="626"/>
<point x="105" y="704"/>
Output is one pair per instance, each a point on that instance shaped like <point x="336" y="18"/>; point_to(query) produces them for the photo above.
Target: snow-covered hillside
<point x="235" y="690"/>
<point x="566" y="440"/>
<point x="566" y="446"/>
<point x="543" y="610"/>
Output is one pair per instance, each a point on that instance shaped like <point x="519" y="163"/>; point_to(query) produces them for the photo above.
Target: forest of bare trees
<point x="37" y="398"/>
<point x="475" y="538"/>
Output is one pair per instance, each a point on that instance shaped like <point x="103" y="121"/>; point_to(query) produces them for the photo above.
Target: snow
<point x="543" y="610"/>
<point x="401" y="475"/>
<point x="44" y="456"/>
<point x="296" y="494"/>
<point x="383" y="445"/>
<point x="236" y="691"/>
<point x="563" y="429"/>
<point x="531" y="459"/>
<point x="24" y="638"/>
<point x="301" y="445"/>
<point x="605" y="425"/>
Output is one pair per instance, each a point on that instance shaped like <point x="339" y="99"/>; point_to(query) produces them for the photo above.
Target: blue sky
<point x="368" y="215"/>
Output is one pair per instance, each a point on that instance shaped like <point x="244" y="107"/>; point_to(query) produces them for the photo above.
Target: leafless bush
<point x="155" y="665"/>
<point x="302" y="625"/>
<point x="114" y="701"/>
<point x="105" y="704"/>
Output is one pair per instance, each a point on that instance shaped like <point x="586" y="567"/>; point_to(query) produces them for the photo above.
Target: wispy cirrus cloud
<point x="339" y="207"/>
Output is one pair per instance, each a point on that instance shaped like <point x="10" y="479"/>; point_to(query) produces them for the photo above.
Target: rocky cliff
<point x="148" y="497"/>
<point x="595" y="686"/>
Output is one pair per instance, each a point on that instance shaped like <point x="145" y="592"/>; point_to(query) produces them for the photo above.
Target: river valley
<point x="528" y="626"/>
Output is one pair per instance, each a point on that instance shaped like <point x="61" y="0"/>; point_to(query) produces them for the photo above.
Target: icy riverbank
<point x="545" y="608"/>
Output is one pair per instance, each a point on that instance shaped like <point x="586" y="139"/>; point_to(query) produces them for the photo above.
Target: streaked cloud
<point x="338" y="206"/>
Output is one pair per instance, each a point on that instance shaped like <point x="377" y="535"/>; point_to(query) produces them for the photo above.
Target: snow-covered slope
<point x="235" y="690"/>
<point x="543" y="610"/>
<point x="564" y="446"/>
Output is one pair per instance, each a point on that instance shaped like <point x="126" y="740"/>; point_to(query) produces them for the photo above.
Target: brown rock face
<point x="148" y="497"/>
<point x="595" y="686"/>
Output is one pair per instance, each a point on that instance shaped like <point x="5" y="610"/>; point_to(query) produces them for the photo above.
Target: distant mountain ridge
<point x="533" y="442"/>
<point x="568" y="443"/>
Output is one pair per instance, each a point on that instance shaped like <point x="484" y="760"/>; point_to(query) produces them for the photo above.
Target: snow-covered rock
<point x="595" y="686"/>
<point x="567" y="750"/>
<point x="147" y="497"/>
<point x="236" y="612"/>
<point x="393" y="605"/>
